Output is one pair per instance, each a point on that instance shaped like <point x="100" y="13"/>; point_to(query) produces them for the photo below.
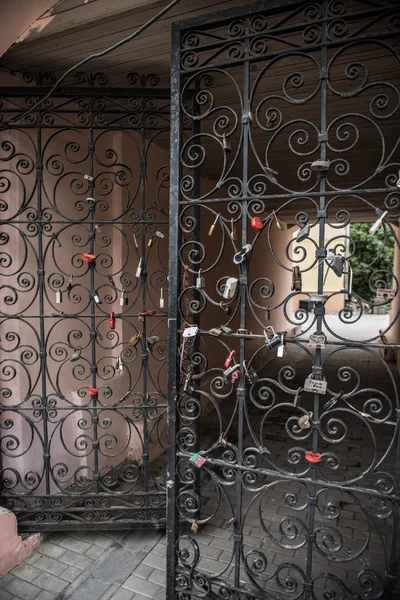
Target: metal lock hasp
<point x="272" y="339"/>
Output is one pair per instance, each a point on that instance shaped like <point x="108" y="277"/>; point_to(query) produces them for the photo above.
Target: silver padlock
<point x="200" y="281"/>
<point x="139" y="268"/>
<point x="58" y="297"/>
<point x="315" y="386"/>
<point x="240" y="256"/>
<point x="123" y="299"/>
<point x="317" y="340"/>
<point x="76" y="354"/>
<point x="378" y="222"/>
<point x="96" y="298"/>
<point x="162" y="298"/>
<point x="230" y="288"/>
<point x="120" y="364"/>
<point x="303" y="233"/>
<point x="228" y="372"/>
<point x="281" y="351"/>
<point x="272" y="339"/>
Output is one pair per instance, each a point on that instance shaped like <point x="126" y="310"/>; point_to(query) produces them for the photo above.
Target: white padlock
<point x="230" y="288"/>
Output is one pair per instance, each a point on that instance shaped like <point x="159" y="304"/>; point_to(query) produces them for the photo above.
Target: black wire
<point x="130" y="37"/>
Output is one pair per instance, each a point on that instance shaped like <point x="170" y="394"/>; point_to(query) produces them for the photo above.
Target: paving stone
<point x="91" y="588"/>
<point x="160" y="550"/>
<point x="158" y="577"/>
<point x="6" y="580"/>
<point x="5" y="595"/>
<point x="143" y="571"/>
<point x="49" y="565"/>
<point x="94" y="552"/>
<point x="122" y="594"/>
<point x="153" y="560"/>
<point x="71" y="573"/>
<point x="22" y="589"/>
<point x="74" y="559"/>
<point x="98" y="540"/>
<point x="141" y="586"/>
<point x="110" y="592"/>
<point x="51" y="550"/>
<point x="142" y="539"/>
<point x="117" y="565"/>
<point x="76" y="545"/>
<point x="44" y="595"/>
<point x="51" y="583"/>
<point x="26" y="572"/>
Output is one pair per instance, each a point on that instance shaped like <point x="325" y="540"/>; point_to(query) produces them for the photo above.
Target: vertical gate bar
<point x="312" y="495"/>
<point x="93" y="366"/>
<point x="197" y="316"/>
<point x="42" y="333"/>
<point x="171" y="476"/>
<point x="143" y="280"/>
<point x="241" y="389"/>
<point x="394" y="561"/>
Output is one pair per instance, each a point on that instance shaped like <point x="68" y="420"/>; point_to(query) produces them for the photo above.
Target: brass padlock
<point x="135" y="339"/>
<point x="304" y="421"/>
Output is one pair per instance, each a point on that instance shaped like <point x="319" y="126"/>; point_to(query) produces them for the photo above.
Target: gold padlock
<point x="304" y="421"/>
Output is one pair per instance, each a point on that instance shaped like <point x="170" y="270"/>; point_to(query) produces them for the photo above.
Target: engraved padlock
<point x="200" y="281"/>
<point x="272" y="339"/>
<point x="315" y="386"/>
<point x="304" y="421"/>
<point x="317" y="340"/>
<point x="230" y="288"/>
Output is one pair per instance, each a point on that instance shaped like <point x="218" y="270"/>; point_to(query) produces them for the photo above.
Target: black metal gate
<point x="84" y="235"/>
<point x="289" y="414"/>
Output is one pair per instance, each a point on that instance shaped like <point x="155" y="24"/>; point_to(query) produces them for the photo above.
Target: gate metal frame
<point x="98" y="496"/>
<point x="185" y="580"/>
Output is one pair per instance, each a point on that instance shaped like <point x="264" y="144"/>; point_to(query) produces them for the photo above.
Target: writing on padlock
<point x="230" y="288"/>
<point x="272" y="339"/>
<point x="315" y="386"/>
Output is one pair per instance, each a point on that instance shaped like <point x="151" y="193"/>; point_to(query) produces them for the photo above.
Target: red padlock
<point x="235" y="375"/>
<point x="111" y="320"/>
<point x="314" y="457"/>
<point x="256" y="223"/>
<point x="229" y="360"/>
<point x="147" y="313"/>
<point x="88" y="258"/>
<point x="93" y="391"/>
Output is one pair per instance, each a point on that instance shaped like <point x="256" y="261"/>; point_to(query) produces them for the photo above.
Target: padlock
<point x="304" y="421"/>
<point x="120" y="364"/>
<point x="139" y="268"/>
<point x="88" y="177"/>
<point x="112" y="282"/>
<point x="160" y="234"/>
<point x="272" y="339"/>
<point x="69" y="284"/>
<point x="315" y="386"/>
<point x="146" y="313"/>
<point x="151" y="240"/>
<point x="194" y="527"/>
<point x="235" y="375"/>
<point x="228" y="374"/>
<point x="336" y="264"/>
<point x="226" y="144"/>
<point x="93" y="391"/>
<point x="379" y="221"/>
<point x="123" y="298"/>
<point x="332" y="401"/>
<point x="251" y="373"/>
<point x="226" y="308"/>
<point x="213" y="225"/>
<point x="233" y="231"/>
<point x="226" y="329"/>
<point x="296" y="279"/>
<point x="317" y="340"/>
<point x="88" y="257"/>
<point x="320" y="165"/>
<point x="256" y="223"/>
<point x="96" y="229"/>
<point x="200" y="281"/>
<point x="240" y="256"/>
<point x="135" y="242"/>
<point x="58" y="297"/>
<point x="215" y="331"/>
<point x="230" y="288"/>
<point x="56" y="240"/>
<point x="188" y="386"/>
<point x="229" y="360"/>
<point x="76" y="354"/>
<point x="281" y="350"/>
<point x="111" y="320"/>
<point x="197" y="460"/>
<point x="135" y="339"/>
<point x="151" y="340"/>
<point x="96" y="298"/>
<point x="162" y="298"/>
<point x="303" y="233"/>
<point x="386" y="293"/>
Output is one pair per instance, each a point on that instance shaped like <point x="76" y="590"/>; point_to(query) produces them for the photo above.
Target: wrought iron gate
<point x="295" y="432"/>
<point x="84" y="236"/>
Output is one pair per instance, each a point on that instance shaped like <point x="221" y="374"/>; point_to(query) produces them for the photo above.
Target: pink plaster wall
<point x="13" y="549"/>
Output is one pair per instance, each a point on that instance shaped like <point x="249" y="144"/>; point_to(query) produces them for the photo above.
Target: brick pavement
<point x="131" y="565"/>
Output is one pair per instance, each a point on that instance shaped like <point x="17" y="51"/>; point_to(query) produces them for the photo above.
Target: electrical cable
<point x="130" y="37"/>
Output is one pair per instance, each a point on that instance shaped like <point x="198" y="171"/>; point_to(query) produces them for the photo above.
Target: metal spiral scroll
<point x="74" y="180"/>
<point x="272" y="93"/>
